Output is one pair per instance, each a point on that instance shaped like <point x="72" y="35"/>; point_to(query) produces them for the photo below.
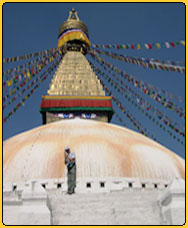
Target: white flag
<point x="167" y="44"/>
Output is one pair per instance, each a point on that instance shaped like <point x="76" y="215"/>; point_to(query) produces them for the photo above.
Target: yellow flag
<point x="158" y="45"/>
<point x="28" y="74"/>
<point x="152" y="65"/>
<point x="138" y="46"/>
<point x="9" y="83"/>
<point x="182" y="42"/>
<point x="123" y="46"/>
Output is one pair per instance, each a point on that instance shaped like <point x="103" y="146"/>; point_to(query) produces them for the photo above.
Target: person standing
<point x="70" y="161"/>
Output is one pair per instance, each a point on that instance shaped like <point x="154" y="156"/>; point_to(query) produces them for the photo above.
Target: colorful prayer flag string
<point x="159" y="90"/>
<point x="43" y="77"/>
<point x="148" y="46"/>
<point x="146" y="88"/>
<point x="143" y="102"/>
<point x="146" y="63"/>
<point x="128" y="114"/>
<point x="21" y="85"/>
<point x="16" y="70"/>
<point x="122" y="108"/>
<point x="140" y="103"/>
<point x="19" y="81"/>
<point x="28" y="56"/>
<point x="139" y="126"/>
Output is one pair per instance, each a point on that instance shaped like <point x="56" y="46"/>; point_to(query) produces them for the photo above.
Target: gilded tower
<point x="75" y="90"/>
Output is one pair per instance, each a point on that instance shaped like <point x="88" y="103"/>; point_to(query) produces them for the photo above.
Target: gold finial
<point x="73" y="15"/>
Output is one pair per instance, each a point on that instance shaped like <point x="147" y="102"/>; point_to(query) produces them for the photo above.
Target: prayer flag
<point x="150" y="46"/>
<point x="138" y="46"/>
<point x="158" y="45"/>
<point x="167" y="44"/>
<point x="172" y="44"/>
<point x="9" y="83"/>
<point x="146" y="46"/>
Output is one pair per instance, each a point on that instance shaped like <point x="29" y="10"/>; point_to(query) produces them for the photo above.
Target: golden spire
<point x="75" y="89"/>
<point x="73" y="15"/>
<point x="73" y="29"/>
<point x="75" y="77"/>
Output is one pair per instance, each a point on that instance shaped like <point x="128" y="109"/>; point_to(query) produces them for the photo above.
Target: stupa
<point x="123" y="177"/>
<point x="75" y="90"/>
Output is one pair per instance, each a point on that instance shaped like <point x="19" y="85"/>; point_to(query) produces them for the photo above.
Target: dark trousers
<point x="71" y="182"/>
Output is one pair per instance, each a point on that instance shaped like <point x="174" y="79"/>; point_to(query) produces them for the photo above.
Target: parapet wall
<point x="32" y="202"/>
<point x="89" y="185"/>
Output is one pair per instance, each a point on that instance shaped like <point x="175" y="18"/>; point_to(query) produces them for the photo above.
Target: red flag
<point x="132" y="46"/>
<point x="172" y="44"/>
<point x="150" y="46"/>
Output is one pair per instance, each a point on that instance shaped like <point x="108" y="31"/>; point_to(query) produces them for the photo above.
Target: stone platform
<point x="123" y="201"/>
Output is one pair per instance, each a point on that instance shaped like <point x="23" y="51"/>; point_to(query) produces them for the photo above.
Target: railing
<point x="88" y="185"/>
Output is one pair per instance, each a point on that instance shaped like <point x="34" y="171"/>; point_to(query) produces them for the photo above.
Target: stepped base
<point x="116" y="202"/>
<point x="114" y="208"/>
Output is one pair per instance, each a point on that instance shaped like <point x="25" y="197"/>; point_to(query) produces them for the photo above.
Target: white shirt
<point x="71" y="155"/>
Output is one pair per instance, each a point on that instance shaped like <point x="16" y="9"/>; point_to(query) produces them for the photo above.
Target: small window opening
<point x="102" y="184"/>
<point x="143" y="185"/>
<point x="59" y="185"/>
<point x="88" y="185"/>
<point x="166" y="185"/>
<point x="155" y="185"/>
<point x="130" y="184"/>
<point x="14" y="187"/>
<point x="44" y="186"/>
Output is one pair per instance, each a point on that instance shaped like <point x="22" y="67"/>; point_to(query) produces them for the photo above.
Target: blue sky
<point x="32" y="27"/>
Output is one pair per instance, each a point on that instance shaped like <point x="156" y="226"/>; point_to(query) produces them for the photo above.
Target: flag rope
<point x="27" y="56"/>
<point x="142" y="107"/>
<point x="131" y="118"/>
<point x="21" y="103"/>
<point x="145" y="63"/>
<point x="122" y="108"/>
<point x="143" y="86"/>
<point x="148" y="46"/>
<point x="11" y="73"/>
<point x="5" y="98"/>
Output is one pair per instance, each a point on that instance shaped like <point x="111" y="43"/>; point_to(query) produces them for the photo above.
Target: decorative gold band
<point x="76" y="97"/>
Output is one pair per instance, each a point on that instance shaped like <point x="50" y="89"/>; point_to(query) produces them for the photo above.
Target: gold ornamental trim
<point x="73" y="24"/>
<point x="54" y="97"/>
